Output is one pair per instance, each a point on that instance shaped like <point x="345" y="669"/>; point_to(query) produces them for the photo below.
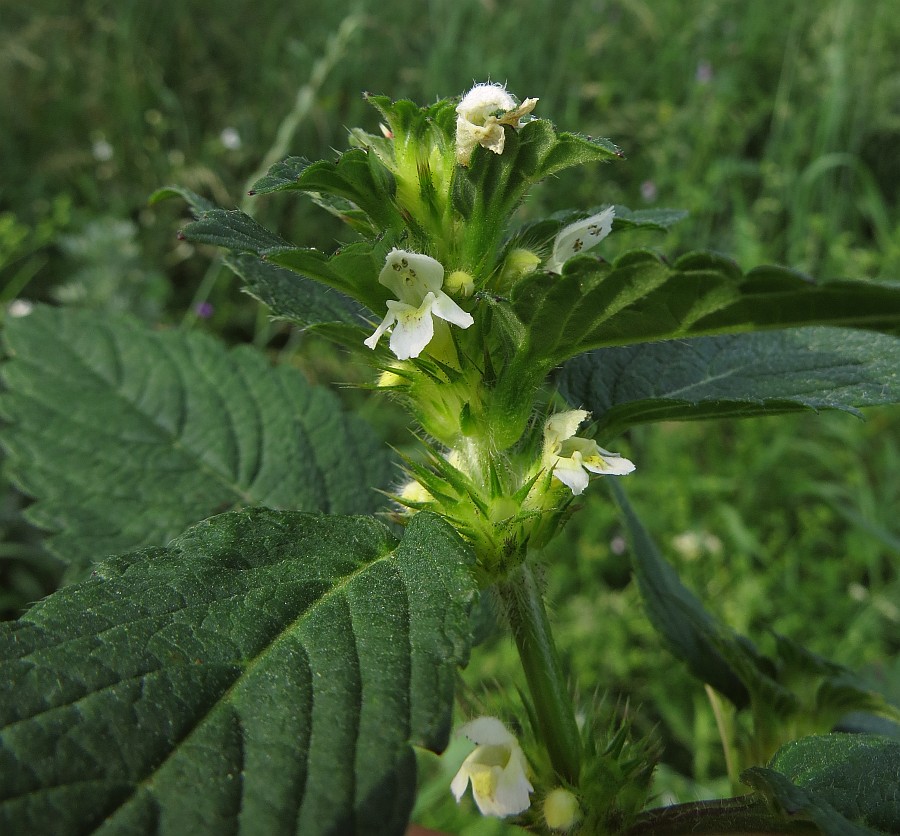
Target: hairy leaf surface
<point x="264" y="674"/>
<point x="126" y="436"/>
<point x="642" y="299"/>
<point x="734" y="375"/>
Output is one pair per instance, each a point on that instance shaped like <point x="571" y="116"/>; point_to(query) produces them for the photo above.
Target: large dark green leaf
<point x="734" y="375"/>
<point x="641" y="299"/>
<point x="845" y="783"/>
<point x="264" y="674"/>
<point x="126" y="436"/>
<point x="689" y="631"/>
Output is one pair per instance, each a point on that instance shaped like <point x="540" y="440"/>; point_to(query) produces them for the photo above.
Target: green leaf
<point x="641" y="299"/>
<point x="293" y="297"/>
<point x="126" y="436"/>
<point x="688" y="630"/>
<point x="234" y="230"/>
<point x="857" y="774"/>
<point x="845" y="783"/>
<point x="265" y="673"/>
<point x="734" y="375"/>
<point x="658" y="219"/>
<point x="356" y="176"/>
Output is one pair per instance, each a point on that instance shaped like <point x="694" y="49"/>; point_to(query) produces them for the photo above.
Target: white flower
<point x="417" y="281"/>
<point x="580" y="237"/>
<point x="496" y="769"/>
<point x="570" y="457"/>
<point x="481" y="115"/>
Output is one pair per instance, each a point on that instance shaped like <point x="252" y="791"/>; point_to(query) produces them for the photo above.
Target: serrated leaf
<point x="234" y="230"/>
<point x="265" y="673"/>
<point x="845" y="783"/>
<point x="293" y="297"/>
<point x="126" y="436"/>
<point x="354" y="176"/>
<point x="734" y="376"/>
<point x="689" y="631"/>
<point x="799" y="805"/>
<point x="641" y="299"/>
<point x="857" y="774"/>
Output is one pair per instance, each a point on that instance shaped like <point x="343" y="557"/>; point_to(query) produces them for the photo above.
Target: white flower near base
<point x="580" y="237"/>
<point x="416" y="279"/>
<point x="571" y="458"/>
<point x="496" y="769"/>
<point x="481" y="115"/>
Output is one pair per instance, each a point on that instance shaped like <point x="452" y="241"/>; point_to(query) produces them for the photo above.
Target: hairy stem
<point x="543" y="672"/>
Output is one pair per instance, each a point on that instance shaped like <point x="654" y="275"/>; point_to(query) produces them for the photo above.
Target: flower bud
<point x="459" y="283"/>
<point x="561" y="810"/>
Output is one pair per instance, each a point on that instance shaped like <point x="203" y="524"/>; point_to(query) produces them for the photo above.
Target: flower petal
<point x="580" y="237"/>
<point x="445" y="308"/>
<point x="488" y="731"/>
<point x="414" y="328"/>
<point x="484" y="100"/>
<point x="411" y="275"/>
<point x="570" y="472"/>
<point x="386" y="323"/>
<point x="561" y="426"/>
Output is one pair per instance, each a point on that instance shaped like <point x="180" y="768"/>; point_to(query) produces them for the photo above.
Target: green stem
<point x="543" y="672"/>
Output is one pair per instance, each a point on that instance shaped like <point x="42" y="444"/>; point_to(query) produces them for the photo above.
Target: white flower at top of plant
<point x="481" y="115"/>
<point x="496" y="769"/>
<point x="571" y="457"/>
<point x="580" y="237"/>
<point x="416" y="279"/>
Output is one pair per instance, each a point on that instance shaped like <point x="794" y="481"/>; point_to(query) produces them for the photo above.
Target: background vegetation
<point x="779" y="129"/>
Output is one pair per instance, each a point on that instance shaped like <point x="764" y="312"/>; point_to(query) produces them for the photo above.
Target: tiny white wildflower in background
<point x="19" y="308"/>
<point x="481" y="115"/>
<point x="416" y="279"/>
<point x="103" y="152"/>
<point x="649" y="191"/>
<point x="571" y="457"/>
<point x="496" y="768"/>
<point x="230" y="138"/>
<point x="580" y="237"/>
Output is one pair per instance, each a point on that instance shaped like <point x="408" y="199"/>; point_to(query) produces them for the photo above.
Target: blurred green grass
<point x="778" y="128"/>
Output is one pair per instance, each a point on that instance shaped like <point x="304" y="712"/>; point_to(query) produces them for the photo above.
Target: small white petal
<point x="562" y="425"/>
<point x="488" y="731"/>
<point x="580" y="237"/>
<point x="445" y="308"/>
<point x="570" y="472"/>
<point x="411" y="275"/>
<point x="386" y="323"/>
<point x="484" y="100"/>
<point x="414" y="328"/>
